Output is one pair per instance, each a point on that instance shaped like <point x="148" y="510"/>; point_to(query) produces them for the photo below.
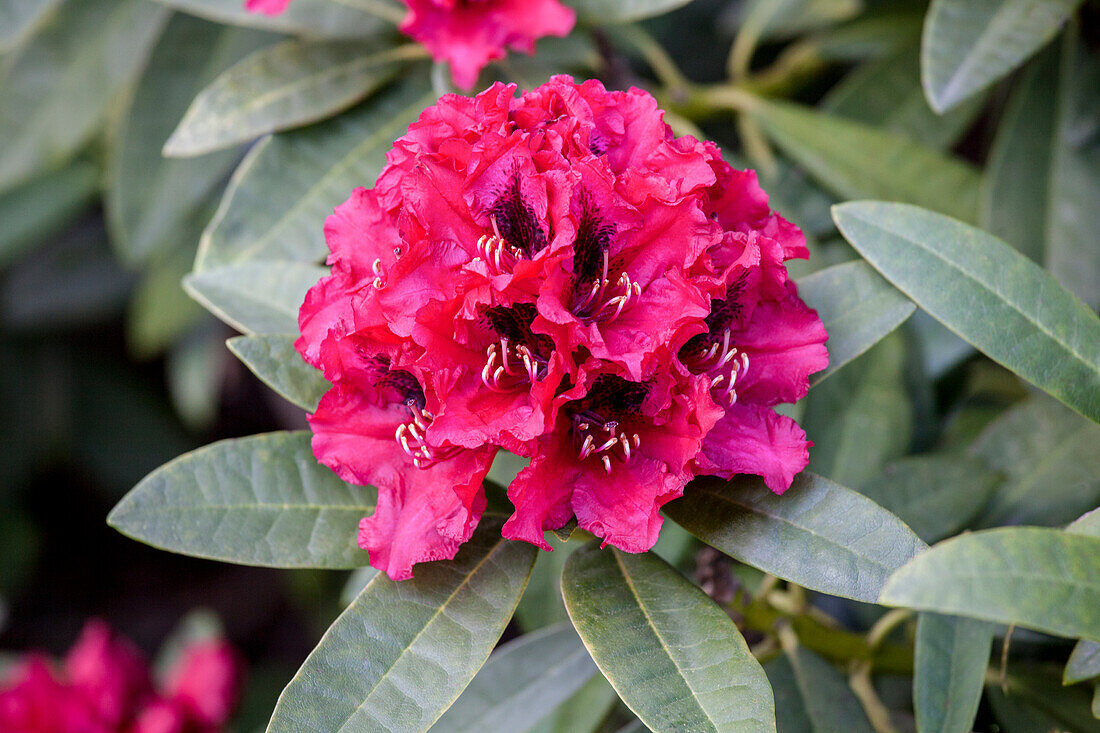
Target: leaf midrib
<point x="653" y="627"/>
<point x="384" y="133"/>
<point x="984" y="288"/>
<point x="427" y="624"/>
<point x="756" y="509"/>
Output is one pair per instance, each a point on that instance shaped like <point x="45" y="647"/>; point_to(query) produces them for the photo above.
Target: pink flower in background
<point x="558" y="276"/>
<point x="468" y="34"/>
<point x="104" y="686"/>
<point x="267" y="7"/>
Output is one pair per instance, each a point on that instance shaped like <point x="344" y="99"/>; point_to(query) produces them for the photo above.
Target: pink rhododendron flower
<point x="267" y="7"/>
<point x="558" y="276"/>
<point x="469" y="34"/>
<point x="104" y="686"/>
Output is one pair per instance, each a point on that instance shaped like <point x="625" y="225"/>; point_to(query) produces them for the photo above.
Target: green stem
<point x="864" y="689"/>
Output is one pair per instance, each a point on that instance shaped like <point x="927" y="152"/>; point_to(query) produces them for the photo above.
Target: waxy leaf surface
<point x="675" y="658"/>
<point x="987" y="293"/>
<point x="969" y="44"/>
<point x="256" y="297"/>
<point x="283" y="86"/>
<point x="277" y="201"/>
<point x="523" y="681"/>
<point x="274" y="360"/>
<point x="262" y="500"/>
<point x="951" y="656"/>
<point x="818" y="534"/>
<point x="1043" y="579"/>
<point x="858" y="308"/>
<point x="402" y="652"/>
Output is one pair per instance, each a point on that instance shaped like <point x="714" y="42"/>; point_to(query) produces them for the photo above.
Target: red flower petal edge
<point x="468" y="34"/>
<point x="104" y="685"/>
<point x="557" y="275"/>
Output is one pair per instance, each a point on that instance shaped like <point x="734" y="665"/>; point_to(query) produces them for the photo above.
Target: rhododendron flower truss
<point x="468" y="34"/>
<point x="556" y="275"/>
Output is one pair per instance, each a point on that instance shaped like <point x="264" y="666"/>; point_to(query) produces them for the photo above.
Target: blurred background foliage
<point x="142" y="143"/>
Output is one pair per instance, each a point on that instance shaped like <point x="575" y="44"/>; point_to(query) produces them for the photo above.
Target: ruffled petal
<point x="757" y="440"/>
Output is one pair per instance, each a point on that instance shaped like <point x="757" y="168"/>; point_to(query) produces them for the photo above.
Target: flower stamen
<point x="604" y="303"/>
<point x="502" y="372"/>
<point x="423" y="455"/>
<point x="583" y="429"/>
<point x="498" y="254"/>
<point x="379" y="274"/>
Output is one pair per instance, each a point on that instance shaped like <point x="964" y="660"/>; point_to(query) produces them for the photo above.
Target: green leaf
<point x="159" y="311"/>
<point x="829" y="702"/>
<point x="1048" y="455"/>
<point x="674" y="657"/>
<point x="314" y="18"/>
<point x="582" y="713"/>
<point x="858" y="309"/>
<point x="278" y="364"/>
<point x="277" y="202"/>
<point x="790" y="710"/>
<point x="861" y="418"/>
<point x="1088" y="523"/>
<point x="356" y="582"/>
<point x="542" y="604"/>
<point x="1038" y="688"/>
<point x="859" y="161"/>
<point x="951" y="656"/>
<point x="936" y="494"/>
<point x="600" y="12"/>
<point x="1016" y="188"/>
<point x="872" y="35"/>
<point x="61" y="86"/>
<point x="194" y="369"/>
<point x="155" y="205"/>
<point x="1083" y="664"/>
<point x="887" y="93"/>
<point x="1043" y="579"/>
<point x="986" y="292"/>
<point x="256" y="297"/>
<point x="969" y="44"/>
<point x="523" y="682"/>
<point x="818" y="534"/>
<point x="262" y="500"/>
<point x="1043" y="177"/>
<point x="399" y="655"/>
<point x="20" y="18"/>
<point x="39" y="208"/>
<point x="795" y="17"/>
<point x="1016" y="716"/>
<point x="282" y="86"/>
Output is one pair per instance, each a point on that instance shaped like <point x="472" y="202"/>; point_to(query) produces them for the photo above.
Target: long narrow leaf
<point x="674" y="657"/>
<point x="986" y="292"/>
<point x="401" y="653"/>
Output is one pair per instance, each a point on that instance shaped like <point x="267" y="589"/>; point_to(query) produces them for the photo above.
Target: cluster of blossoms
<point x="104" y="686"/>
<point x="470" y="33"/>
<point x="558" y="276"/>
